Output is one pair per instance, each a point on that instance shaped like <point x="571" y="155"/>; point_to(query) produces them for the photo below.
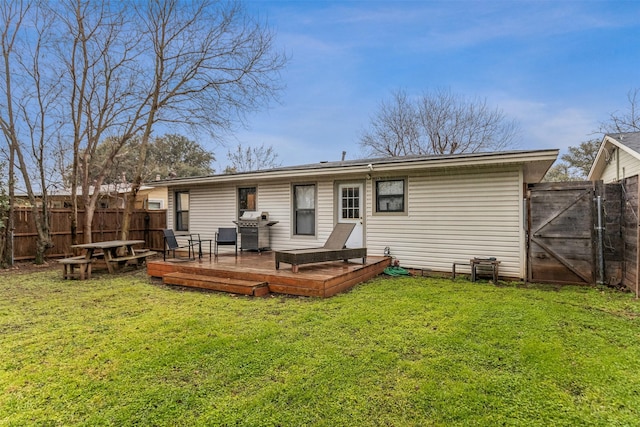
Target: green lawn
<point x="392" y="352"/>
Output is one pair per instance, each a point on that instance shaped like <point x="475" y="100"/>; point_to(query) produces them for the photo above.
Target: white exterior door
<point x="351" y="210"/>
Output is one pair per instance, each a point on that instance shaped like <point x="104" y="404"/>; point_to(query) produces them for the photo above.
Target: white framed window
<point x="391" y="196"/>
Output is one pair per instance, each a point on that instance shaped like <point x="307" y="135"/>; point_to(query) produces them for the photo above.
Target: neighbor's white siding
<point x="622" y="165"/>
<point x="455" y="217"/>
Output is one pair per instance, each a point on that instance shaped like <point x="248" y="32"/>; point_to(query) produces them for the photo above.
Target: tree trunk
<point x="87" y="228"/>
<point x="135" y="186"/>
<point x="7" y="255"/>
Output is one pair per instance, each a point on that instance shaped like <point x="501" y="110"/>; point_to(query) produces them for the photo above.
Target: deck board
<point x="236" y="286"/>
<point x="317" y="280"/>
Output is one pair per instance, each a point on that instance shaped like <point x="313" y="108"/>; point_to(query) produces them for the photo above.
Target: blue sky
<point x="558" y="67"/>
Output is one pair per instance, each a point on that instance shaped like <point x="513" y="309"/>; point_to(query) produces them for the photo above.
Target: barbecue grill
<point x="254" y="230"/>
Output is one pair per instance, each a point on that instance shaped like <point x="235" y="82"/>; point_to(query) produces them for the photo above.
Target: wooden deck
<point x="255" y="274"/>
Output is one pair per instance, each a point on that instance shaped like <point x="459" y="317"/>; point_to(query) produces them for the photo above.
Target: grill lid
<point x="254" y="216"/>
<point x="254" y="219"/>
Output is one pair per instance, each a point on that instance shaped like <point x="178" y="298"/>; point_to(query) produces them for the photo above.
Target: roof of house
<point x="626" y="141"/>
<point x="536" y="163"/>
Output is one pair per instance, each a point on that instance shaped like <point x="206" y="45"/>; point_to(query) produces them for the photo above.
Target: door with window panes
<point x="351" y="210"/>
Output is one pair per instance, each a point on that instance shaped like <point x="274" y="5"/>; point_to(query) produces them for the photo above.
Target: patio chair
<point x="196" y="239"/>
<point x="171" y="244"/>
<point x="226" y="237"/>
<point x="334" y="249"/>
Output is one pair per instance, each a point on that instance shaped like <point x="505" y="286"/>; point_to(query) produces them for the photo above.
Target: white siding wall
<point x="454" y="218"/>
<point x="622" y="166"/>
<point x="276" y="199"/>
<point x="211" y="208"/>
<point x="170" y="208"/>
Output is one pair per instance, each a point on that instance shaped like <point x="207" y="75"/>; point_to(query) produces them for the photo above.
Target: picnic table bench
<point x="139" y="257"/>
<point x="115" y="253"/>
<point x="76" y="267"/>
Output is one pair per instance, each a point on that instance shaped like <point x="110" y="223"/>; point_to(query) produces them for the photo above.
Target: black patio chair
<point x="171" y="244"/>
<point x="226" y="237"/>
<point x="196" y="239"/>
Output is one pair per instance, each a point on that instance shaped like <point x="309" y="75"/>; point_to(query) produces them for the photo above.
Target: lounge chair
<point x="333" y="250"/>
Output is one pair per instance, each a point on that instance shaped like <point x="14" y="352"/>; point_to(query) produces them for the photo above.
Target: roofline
<point x="378" y="165"/>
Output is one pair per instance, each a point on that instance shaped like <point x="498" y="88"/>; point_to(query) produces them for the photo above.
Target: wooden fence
<point x="146" y="225"/>
<point x="630" y="194"/>
<point x="574" y="239"/>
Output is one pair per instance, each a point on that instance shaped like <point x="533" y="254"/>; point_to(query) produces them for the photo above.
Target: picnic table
<point x="115" y="252"/>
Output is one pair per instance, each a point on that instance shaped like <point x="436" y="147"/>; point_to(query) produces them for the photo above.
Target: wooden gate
<point x="562" y="235"/>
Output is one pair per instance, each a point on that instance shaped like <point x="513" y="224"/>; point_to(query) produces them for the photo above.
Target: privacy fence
<point x="584" y="232"/>
<point x="146" y="225"/>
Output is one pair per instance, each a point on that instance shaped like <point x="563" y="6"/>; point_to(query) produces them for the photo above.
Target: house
<point x="112" y="196"/>
<point x="617" y="158"/>
<point x="429" y="211"/>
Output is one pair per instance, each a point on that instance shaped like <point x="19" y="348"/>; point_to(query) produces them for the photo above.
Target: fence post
<point x="637" y="239"/>
<point x="600" y="228"/>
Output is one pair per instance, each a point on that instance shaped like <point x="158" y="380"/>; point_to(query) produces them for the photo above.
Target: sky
<point x="559" y="68"/>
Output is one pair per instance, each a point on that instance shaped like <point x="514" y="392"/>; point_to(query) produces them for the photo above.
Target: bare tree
<point x="395" y="129"/>
<point x="27" y="99"/>
<point x="626" y="121"/>
<point x="115" y="70"/>
<point x="212" y="64"/>
<point x="439" y="122"/>
<point x="97" y="49"/>
<point x="251" y="158"/>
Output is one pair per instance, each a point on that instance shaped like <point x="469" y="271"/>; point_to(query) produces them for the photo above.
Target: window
<point x="246" y="200"/>
<point x="390" y="196"/>
<point x="182" y="210"/>
<point x="304" y="209"/>
<point x="153" y="204"/>
<point x="350" y="201"/>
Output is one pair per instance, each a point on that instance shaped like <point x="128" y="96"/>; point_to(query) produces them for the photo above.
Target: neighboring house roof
<point x="536" y="163"/>
<point x="105" y="189"/>
<point x="628" y="142"/>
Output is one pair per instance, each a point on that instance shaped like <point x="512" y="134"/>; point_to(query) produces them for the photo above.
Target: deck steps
<point x="223" y="284"/>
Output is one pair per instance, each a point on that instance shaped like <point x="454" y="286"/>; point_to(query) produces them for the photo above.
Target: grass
<point x="392" y="352"/>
